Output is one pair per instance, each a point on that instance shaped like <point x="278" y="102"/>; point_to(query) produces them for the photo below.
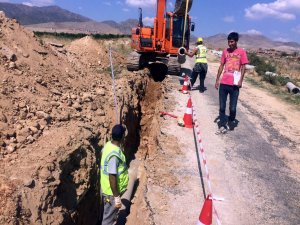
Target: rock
<point x="74" y="97"/>
<point x="87" y="97"/>
<point x="94" y="106"/>
<point x="29" y="183"/>
<point x="34" y="130"/>
<point x="25" y="55"/>
<point x="11" y="148"/>
<point x="44" y="173"/>
<point x="23" y="115"/>
<point x="19" y="127"/>
<point x="57" y="45"/>
<point x="21" y="139"/>
<point x="65" y="116"/>
<point x="3" y="118"/>
<point x="77" y="106"/>
<point x="69" y="103"/>
<point x="18" y="72"/>
<point x="56" y="92"/>
<point x="39" y="80"/>
<point x="100" y="92"/>
<point x="22" y="104"/>
<point x="43" y="115"/>
<point x="30" y="139"/>
<point x="25" y="132"/>
<point x="12" y="65"/>
<point x="100" y="112"/>
<point x="55" y="104"/>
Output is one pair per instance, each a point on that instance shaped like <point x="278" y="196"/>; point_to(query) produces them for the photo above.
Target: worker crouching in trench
<point x="114" y="175"/>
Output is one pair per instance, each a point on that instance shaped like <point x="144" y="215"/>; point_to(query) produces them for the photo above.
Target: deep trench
<point x="89" y="210"/>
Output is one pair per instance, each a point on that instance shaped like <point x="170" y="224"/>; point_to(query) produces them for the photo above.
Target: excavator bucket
<point x="180" y="6"/>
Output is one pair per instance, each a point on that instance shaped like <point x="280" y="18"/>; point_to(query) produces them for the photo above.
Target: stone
<point x="94" y="106"/>
<point x="34" y="130"/>
<point x="22" y="104"/>
<point x="24" y="132"/>
<point x="11" y="148"/>
<point x="77" y="106"/>
<point x="30" y="139"/>
<point x="42" y="115"/>
<point x="23" y="115"/>
<point x="12" y="65"/>
<point x="21" y="139"/>
<point x="100" y="92"/>
<point x="56" y="92"/>
<point x="3" y="118"/>
<point x="29" y="183"/>
<point x="55" y="104"/>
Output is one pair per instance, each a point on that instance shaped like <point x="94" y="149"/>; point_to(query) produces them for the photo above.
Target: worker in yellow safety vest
<point x="200" y="67"/>
<point x="114" y="175"/>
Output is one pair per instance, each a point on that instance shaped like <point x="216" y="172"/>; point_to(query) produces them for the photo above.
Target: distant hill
<point x="249" y="41"/>
<point x="34" y="15"/>
<point x="124" y="27"/>
<point x="75" y="27"/>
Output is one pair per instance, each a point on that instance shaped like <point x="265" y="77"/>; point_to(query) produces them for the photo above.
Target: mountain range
<point x="56" y="19"/>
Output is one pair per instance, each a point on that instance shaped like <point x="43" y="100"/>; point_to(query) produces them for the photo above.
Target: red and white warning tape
<point x="201" y="148"/>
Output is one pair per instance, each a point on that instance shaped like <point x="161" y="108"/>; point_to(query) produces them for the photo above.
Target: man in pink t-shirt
<point x="233" y="63"/>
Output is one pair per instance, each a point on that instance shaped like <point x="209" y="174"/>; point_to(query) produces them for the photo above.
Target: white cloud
<point x="296" y="29"/>
<point x="253" y="32"/>
<point x="107" y="3"/>
<point x="39" y="2"/>
<point x="229" y="19"/>
<point x="282" y="39"/>
<point x="141" y="3"/>
<point x="148" y="21"/>
<point x="125" y="10"/>
<point x="119" y="3"/>
<point x="280" y="9"/>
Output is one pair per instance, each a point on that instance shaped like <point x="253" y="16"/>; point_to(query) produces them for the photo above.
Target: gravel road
<point x="245" y="165"/>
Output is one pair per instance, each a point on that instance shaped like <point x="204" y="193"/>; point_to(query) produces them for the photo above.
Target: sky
<point x="277" y="19"/>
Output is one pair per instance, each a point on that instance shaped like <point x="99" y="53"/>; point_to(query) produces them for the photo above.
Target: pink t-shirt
<point x="233" y="61"/>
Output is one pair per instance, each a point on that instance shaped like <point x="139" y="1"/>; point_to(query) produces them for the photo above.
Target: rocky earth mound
<point x="57" y="104"/>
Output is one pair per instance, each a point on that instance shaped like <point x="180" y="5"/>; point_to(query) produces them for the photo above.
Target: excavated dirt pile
<point x="57" y="104"/>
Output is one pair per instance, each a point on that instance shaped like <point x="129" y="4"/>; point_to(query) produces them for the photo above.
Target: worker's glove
<point x="118" y="203"/>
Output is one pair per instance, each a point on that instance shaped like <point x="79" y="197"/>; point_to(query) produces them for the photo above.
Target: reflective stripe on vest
<point x="108" y="152"/>
<point x="201" y="54"/>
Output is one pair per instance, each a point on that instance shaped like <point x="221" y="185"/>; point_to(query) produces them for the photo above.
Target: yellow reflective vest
<point x="108" y="151"/>
<point x="201" y="54"/>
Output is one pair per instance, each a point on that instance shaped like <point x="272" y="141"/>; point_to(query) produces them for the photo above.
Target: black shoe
<point x="232" y="124"/>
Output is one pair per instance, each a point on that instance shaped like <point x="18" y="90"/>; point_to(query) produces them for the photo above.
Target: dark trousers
<point x="201" y="70"/>
<point x="233" y="92"/>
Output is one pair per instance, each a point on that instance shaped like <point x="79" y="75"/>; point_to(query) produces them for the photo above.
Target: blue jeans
<point x="233" y="92"/>
<point x="201" y="70"/>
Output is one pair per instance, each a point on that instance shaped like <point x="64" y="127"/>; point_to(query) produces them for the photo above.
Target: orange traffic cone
<point x="188" y="118"/>
<point x="185" y="86"/>
<point x="205" y="217"/>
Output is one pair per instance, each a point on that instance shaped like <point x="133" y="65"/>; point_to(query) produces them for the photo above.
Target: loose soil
<point x="57" y="110"/>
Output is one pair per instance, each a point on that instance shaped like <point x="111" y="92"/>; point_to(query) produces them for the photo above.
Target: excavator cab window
<point x="178" y="27"/>
<point x="137" y="31"/>
<point x="168" y="26"/>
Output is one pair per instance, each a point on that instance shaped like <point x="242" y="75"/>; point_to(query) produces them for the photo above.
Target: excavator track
<point x="173" y="66"/>
<point x="133" y="61"/>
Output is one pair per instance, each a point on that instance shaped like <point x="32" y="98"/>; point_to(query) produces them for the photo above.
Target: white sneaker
<point x="222" y="130"/>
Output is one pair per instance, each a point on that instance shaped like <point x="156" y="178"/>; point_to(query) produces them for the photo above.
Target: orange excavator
<point x="162" y="43"/>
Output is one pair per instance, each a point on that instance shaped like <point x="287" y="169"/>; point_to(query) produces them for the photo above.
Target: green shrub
<point x="79" y="35"/>
<point x="261" y="66"/>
